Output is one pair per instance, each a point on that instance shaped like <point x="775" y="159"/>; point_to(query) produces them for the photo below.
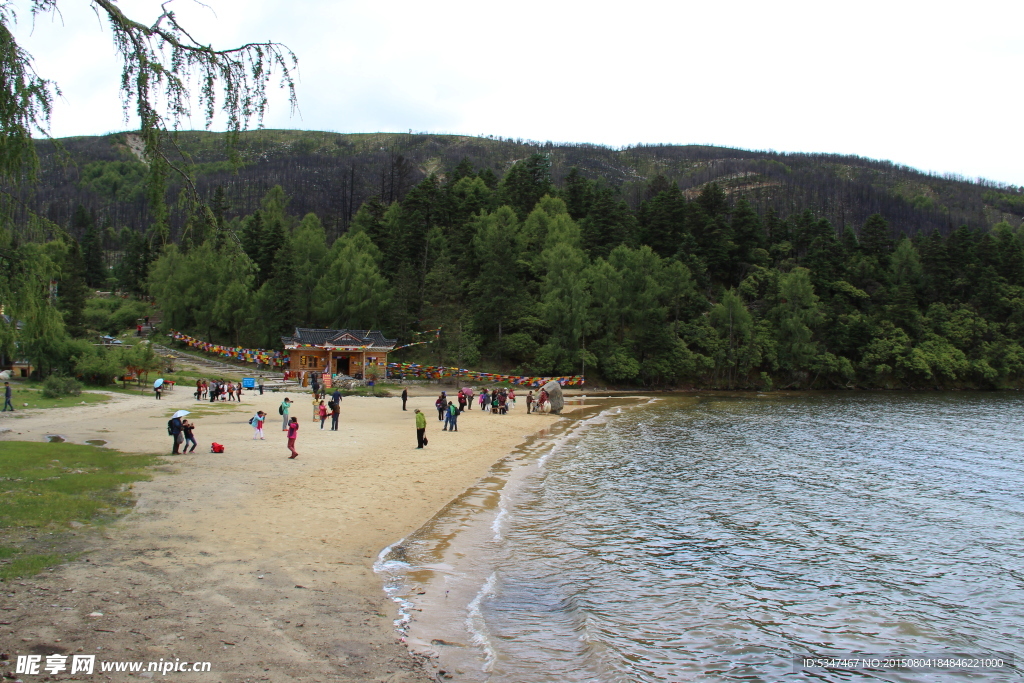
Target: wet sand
<point x="259" y="564"/>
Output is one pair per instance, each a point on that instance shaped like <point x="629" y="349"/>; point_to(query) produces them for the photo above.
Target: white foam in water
<point x="475" y="622"/>
<point x="499" y="518"/>
<point x="392" y="573"/>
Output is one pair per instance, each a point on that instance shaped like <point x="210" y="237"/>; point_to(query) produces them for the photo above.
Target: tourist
<point x="529" y="402"/>
<point x="293" y="433"/>
<point x="462" y="401"/>
<point x="231" y="391"/>
<point x="283" y="411"/>
<point x="335" y="413"/>
<point x="405" y="397"/>
<point x="321" y="413"/>
<point x="484" y="400"/>
<point x="421" y="429"/>
<point x="494" y="402"/>
<point x="316" y="407"/>
<point x="7" y="398"/>
<point x="186" y="428"/>
<point x="511" y="398"/>
<point x="199" y="389"/>
<point x="174" y="430"/>
<point x="260" y="384"/>
<point x="156" y="390"/>
<point x="336" y="396"/>
<point x="441" y="404"/>
<point x="468" y="391"/>
<point x="453" y="417"/>
<point x="257" y="424"/>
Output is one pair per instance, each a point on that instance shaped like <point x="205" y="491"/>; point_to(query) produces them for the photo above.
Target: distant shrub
<point x="56" y="386"/>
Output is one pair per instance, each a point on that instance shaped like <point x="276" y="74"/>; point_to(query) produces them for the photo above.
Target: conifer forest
<point x="656" y="267"/>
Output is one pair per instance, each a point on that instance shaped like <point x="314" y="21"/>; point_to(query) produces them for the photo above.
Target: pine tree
<point x="578" y="194"/>
<point x="272" y="241"/>
<point x="875" y="237"/>
<point x="92" y="254"/>
<point x="526" y="182"/>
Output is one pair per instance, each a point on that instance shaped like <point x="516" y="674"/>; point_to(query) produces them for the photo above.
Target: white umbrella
<point x="180" y="413"/>
<point x="157" y="384"/>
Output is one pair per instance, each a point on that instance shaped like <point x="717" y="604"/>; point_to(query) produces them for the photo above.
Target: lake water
<point x="716" y="538"/>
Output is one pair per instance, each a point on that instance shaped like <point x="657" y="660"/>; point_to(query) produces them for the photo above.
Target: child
<point x="322" y="414"/>
<point x="257" y="424"/>
<point x="187" y="428"/>
<point x="293" y="433"/>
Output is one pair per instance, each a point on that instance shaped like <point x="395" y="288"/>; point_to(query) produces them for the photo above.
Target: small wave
<point x="499" y="519"/>
<point x="391" y="567"/>
<point x="475" y="622"/>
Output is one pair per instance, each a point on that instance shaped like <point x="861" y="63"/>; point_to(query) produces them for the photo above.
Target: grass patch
<point x="44" y="485"/>
<point x="33" y="396"/>
<point x="30" y="565"/>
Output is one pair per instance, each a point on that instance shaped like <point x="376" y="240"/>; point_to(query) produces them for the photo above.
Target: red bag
<point x="216" y="447"/>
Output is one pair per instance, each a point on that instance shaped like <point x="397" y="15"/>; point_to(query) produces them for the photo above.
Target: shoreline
<point x="439" y="572"/>
<point x="249" y="547"/>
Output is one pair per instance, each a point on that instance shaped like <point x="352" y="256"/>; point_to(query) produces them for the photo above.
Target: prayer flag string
<point x="275" y="359"/>
<point x="437" y="372"/>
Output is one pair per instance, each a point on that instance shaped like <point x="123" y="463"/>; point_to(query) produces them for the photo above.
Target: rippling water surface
<point x="714" y="538"/>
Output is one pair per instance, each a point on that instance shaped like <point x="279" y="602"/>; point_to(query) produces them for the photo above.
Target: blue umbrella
<point x="158" y="383"/>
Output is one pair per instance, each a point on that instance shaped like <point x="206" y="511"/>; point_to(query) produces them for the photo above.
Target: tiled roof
<point x="315" y="337"/>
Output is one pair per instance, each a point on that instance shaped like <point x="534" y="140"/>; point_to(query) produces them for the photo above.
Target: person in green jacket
<point x="421" y="429"/>
<point x="285" y="405"/>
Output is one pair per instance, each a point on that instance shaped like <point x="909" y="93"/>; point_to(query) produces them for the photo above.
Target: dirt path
<point x="258" y="564"/>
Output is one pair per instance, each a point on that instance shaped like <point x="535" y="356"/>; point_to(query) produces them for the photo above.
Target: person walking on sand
<point x="283" y="410"/>
<point x="260" y="385"/>
<point x="421" y="429"/>
<point x="405" y="397"/>
<point x="174" y="429"/>
<point x="336" y="396"/>
<point x="322" y="414"/>
<point x="441" y="404"/>
<point x="293" y="433"/>
<point x="335" y="413"/>
<point x="529" y="402"/>
<point x="7" y="398"/>
<point x="453" y="416"/>
<point x="257" y="424"/>
<point x="462" y="400"/>
<point x="186" y="428"/>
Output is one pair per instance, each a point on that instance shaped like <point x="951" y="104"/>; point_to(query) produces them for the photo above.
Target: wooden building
<point x="362" y="354"/>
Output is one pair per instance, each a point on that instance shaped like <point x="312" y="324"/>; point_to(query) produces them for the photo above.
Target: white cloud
<point x="932" y="85"/>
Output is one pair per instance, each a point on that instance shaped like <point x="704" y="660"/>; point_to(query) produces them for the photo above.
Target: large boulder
<point x="554" y="390"/>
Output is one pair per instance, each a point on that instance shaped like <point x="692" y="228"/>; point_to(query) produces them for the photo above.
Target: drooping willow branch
<point x="162" y="63"/>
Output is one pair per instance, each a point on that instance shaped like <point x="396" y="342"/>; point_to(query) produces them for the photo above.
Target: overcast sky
<point x="935" y="85"/>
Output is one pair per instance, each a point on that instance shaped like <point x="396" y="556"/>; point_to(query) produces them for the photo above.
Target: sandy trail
<point x="256" y="563"/>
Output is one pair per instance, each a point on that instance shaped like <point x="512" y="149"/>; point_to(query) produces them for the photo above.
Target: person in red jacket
<point x="293" y="433"/>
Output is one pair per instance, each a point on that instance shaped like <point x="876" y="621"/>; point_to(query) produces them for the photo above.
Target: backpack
<point x="251" y="420"/>
<point x="216" y="447"/>
<point x="170" y="427"/>
<point x="280" y="409"/>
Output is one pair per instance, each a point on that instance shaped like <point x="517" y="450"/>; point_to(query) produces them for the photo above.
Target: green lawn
<point x="32" y="395"/>
<point x="47" y="486"/>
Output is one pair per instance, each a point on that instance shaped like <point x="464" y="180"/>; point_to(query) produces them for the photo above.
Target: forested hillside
<point x="332" y="175"/>
<point x="655" y="279"/>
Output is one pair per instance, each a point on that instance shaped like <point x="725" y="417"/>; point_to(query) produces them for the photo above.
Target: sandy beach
<point x="260" y="565"/>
